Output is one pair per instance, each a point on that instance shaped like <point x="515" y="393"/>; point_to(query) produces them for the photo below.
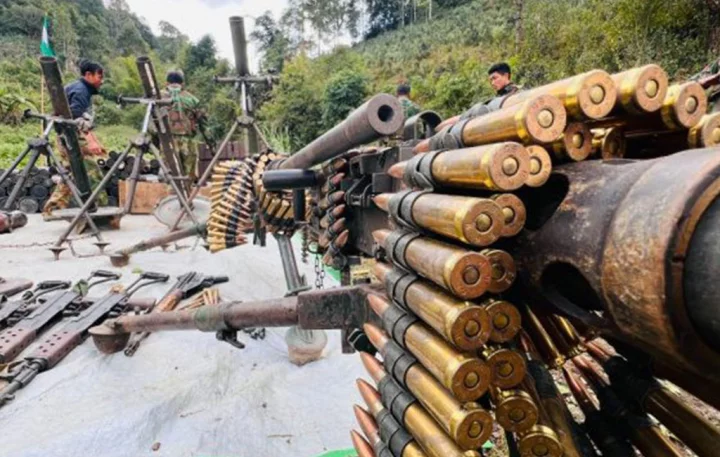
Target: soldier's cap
<point x="175" y="77"/>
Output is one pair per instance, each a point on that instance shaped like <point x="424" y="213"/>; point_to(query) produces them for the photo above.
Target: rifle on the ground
<point x="69" y="334"/>
<point x="15" y="339"/>
<point x="13" y="311"/>
<point x="187" y="285"/>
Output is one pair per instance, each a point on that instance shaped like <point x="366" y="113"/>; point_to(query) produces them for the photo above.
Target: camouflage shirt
<point x="185" y="110"/>
<point x="409" y="107"/>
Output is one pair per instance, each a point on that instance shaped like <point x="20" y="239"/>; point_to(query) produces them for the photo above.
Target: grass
<point x="13" y="139"/>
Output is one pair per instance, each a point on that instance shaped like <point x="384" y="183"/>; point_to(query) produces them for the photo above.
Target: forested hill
<point x="446" y="57"/>
<point x="111" y="34"/>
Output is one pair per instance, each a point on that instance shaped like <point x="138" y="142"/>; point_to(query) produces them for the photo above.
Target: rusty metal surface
<point x="378" y="117"/>
<point x="619" y="220"/>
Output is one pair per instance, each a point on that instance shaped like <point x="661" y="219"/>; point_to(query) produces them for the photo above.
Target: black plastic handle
<point x="155" y="276"/>
<point x="53" y="285"/>
<point x="105" y="274"/>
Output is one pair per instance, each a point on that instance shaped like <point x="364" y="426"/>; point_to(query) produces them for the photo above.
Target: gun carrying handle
<point x="105" y="275"/>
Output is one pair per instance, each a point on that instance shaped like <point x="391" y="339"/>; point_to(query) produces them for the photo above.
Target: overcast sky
<point x="196" y="18"/>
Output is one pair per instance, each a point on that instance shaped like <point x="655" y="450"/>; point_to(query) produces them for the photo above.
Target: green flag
<point x="45" y="48"/>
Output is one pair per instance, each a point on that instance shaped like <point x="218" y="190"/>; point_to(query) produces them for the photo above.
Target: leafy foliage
<point x="446" y="59"/>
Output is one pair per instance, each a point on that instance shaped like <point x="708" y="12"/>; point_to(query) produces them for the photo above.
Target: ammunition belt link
<point x="397" y="243"/>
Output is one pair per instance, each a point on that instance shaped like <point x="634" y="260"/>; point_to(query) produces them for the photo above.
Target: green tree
<point x="344" y="92"/>
<point x="271" y="42"/>
<point x="201" y="55"/>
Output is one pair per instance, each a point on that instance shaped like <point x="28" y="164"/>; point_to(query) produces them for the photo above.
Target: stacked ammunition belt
<point x="462" y="346"/>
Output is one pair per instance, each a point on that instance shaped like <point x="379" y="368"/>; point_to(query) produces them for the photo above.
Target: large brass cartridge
<point x="536" y="119"/>
<point x="514" y="211"/>
<point x="508" y="366"/>
<point x="466" y="274"/>
<point x="501" y="166"/>
<point x="705" y="133"/>
<point x="503" y="270"/>
<point x="609" y="143"/>
<point x="505" y="320"/>
<point x="372" y="431"/>
<point x="527" y="118"/>
<point x="466" y="377"/>
<point x="540" y="166"/>
<point x="476" y="221"/>
<point x="515" y="409"/>
<point x="589" y="95"/>
<point x="574" y="144"/>
<point x="640" y="90"/>
<point x="540" y="337"/>
<point x="421" y="426"/>
<point x="467" y="424"/>
<point x="461" y="323"/>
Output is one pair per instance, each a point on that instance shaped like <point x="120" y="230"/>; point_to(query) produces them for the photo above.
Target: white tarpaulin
<point x="182" y="393"/>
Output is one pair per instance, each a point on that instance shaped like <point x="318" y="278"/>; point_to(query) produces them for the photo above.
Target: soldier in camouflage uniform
<point x="79" y="95"/>
<point x="185" y="118"/>
<point x="409" y="107"/>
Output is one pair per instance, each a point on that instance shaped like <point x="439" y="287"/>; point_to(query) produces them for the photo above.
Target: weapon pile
<point x="36" y="190"/>
<point x="457" y="330"/>
<point x="504" y="254"/>
<point x="46" y="323"/>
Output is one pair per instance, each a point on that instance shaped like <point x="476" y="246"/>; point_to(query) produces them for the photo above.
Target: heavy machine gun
<point x="498" y="253"/>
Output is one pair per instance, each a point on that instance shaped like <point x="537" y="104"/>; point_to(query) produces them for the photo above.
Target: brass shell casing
<point x="514" y="211"/>
<point x="542" y="339"/>
<point x="706" y="133"/>
<point x="684" y="105"/>
<point x="694" y="430"/>
<point x="515" y="410"/>
<point x="466" y="377"/>
<point x="508" y="366"/>
<point x="540" y="441"/>
<point x="466" y="274"/>
<point x="464" y="324"/>
<point x="504" y="270"/>
<point x="467" y="424"/>
<point x="537" y="118"/>
<point x="641" y="90"/>
<point x="505" y="320"/>
<point x="540" y="166"/>
<point x="502" y="166"/>
<point x="476" y="221"/>
<point x="589" y="95"/>
<point x="575" y="143"/>
<point x="434" y="441"/>
<point x="609" y="143"/>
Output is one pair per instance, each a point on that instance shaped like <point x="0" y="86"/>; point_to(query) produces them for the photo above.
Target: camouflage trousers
<point x="188" y="150"/>
<point x="62" y="196"/>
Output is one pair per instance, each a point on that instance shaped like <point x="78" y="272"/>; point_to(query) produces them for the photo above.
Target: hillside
<point x="446" y="60"/>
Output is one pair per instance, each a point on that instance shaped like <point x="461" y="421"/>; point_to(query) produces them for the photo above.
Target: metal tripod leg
<point x="57" y="247"/>
<point x="166" y="171"/>
<point x="65" y="177"/>
<point x="15" y="164"/>
<point x="22" y="178"/>
<point x="208" y="172"/>
<point x="134" y="175"/>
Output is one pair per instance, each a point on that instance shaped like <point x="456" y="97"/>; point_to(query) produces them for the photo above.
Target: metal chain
<point x="319" y="273"/>
<point x="305" y="252"/>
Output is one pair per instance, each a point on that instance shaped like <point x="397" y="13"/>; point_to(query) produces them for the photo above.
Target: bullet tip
<point x="397" y="171"/>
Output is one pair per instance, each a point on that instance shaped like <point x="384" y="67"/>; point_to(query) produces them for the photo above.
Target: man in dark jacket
<point x="79" y="95"/>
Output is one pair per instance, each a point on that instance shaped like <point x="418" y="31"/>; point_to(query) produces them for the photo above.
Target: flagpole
<point x="42" y="101"/>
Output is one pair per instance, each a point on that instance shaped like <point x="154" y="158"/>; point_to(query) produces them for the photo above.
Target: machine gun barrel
<point x="380" y="116"/>
<point x="340" y="308"/>
<point x="670" y="207"/>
